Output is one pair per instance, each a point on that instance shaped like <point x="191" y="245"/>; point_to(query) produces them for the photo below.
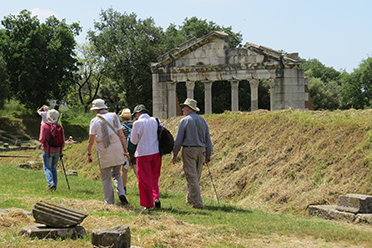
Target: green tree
<point x="196" y="28"/>
<point x="4" y="82"/>
<point x="356" y="88"/>
<point x="128" y="46"/>
<point x="39" y="57"/>
<point x="90" y="75"/>
<point x="324" y="85"/>
<point x="315" y="68"/>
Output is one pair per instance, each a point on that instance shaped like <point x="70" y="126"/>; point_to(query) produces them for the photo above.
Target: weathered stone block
<point x="355" y="203"/>
<point x="41" y="231"/>
<point x="115" y="237"/>
<point x="56" y="216"/>
<point x="330" y="212"/>
<point x="364" y="218"/>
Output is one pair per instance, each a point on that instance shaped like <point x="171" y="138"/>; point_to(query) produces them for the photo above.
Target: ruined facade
<point x="209" y="59"/>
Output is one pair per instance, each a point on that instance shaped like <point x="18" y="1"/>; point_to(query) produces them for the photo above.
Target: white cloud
<point x="43" y="14"/>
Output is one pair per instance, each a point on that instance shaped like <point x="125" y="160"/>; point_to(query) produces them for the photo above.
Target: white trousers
<point x="106" y="175"/>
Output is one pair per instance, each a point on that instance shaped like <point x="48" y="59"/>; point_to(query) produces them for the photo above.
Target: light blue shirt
<point x="193" y="131"/>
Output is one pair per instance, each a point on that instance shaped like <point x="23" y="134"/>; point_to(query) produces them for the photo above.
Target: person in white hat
<point x="51" y="153"/>
<point x="106" y="131"/>
<point x="194" y="138"/>
<point x="126" y="117"/>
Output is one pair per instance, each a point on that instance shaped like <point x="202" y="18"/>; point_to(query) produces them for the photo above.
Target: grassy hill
<point x="274" y="161"/>
<point x="264" y="163"/>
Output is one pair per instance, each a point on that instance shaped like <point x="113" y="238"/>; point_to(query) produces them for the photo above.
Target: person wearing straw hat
<point x="194" y="138"/>
<point x="51" y="154"/>
<point x="145" y="136"/>
<point x="127" y="123"/>
<point x="106" y="131"/>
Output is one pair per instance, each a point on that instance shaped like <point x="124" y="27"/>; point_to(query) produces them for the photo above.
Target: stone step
<point x="41" y="231"/>
<point x="54" y="215"/>
<point x="355" y="203"/>
<point x="330" y="212"/>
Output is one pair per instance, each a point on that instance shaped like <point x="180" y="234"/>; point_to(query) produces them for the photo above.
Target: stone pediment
<point x="197" y="51"/>
<point x="212" y="53"/>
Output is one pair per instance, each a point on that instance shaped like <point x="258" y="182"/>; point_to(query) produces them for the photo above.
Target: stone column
<point x="208" y="97"/>
<point x="172" y="108"/>
<point x="272" y="89"/>
<point x="190" y="85"/>
<point x="234" y="95"/>
<point x="254" y="94"/>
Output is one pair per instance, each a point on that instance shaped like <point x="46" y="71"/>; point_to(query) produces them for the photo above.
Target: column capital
<point x="253" y="82"/>
<point x="171" y="85"/>
<point x="190" y="84"/>
<point x="234" y="83"/>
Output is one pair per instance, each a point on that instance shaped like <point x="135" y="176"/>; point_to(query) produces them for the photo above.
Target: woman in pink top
<point x="50" y="154"/>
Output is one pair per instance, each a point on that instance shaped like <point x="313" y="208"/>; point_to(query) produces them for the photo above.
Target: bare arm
<point x="91" y="140"/>
<point x="124" y="143"/>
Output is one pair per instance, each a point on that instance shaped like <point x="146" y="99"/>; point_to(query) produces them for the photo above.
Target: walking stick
<point x="64" y="171"/>
<point x="214" y="187"/>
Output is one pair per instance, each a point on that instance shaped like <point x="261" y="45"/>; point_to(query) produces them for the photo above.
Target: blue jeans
<point x="50" y="167"/>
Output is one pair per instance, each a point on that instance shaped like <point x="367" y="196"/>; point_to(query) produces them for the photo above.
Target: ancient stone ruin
<point x="351" y="207"/>
<point x="115" y="237"/>
<point x="209" y="59"/>
<point x="55" y="222"/>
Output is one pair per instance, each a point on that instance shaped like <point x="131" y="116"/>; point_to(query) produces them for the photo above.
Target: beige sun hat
<point x="126" y="113"/>
<point x="52" y="116"/>
<point x="191" y="103"/>
<point x="98" y="104"/>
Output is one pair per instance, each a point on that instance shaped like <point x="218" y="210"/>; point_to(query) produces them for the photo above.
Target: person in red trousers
<point x="145" y="136"/>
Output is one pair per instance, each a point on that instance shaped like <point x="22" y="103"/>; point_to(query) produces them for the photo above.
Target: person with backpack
<point x="127" y="123"/>
<point x="53" y="140"/>
<point x="105" y="130"/>
<point x="194" y="138"/>
<point x="145" y="136"/>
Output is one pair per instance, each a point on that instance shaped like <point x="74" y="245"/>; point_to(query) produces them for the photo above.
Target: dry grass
<point x="283" y="161"/>
<point x="150" y="230"/>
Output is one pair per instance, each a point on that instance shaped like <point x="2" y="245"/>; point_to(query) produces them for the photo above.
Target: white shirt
<point x="145" y="135"/>
<point x="43" y="115"/>
<point x="95" y="125"/>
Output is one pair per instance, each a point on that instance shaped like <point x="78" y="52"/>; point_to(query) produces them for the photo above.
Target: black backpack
<point x="165" y="138"/>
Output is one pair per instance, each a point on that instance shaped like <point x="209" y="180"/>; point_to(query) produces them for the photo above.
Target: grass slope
<point x="266" y="166"/>
<point x="175" y="225"/>
<point x="283" y="161"/>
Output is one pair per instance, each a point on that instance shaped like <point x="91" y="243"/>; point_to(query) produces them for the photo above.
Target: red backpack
<point x="55" y="135"/>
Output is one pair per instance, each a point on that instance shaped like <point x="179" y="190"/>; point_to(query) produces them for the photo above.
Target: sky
<point x="336" y="32"/>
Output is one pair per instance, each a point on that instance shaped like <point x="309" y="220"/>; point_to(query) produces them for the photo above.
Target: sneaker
<point x="157" y="203"/>
<point x="51" y="187"/>
<point x="123" y="199"/>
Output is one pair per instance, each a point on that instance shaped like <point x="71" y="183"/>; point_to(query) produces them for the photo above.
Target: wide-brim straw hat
<point x="126" y="113"/>
<point x="52" y="116"/>
<point x="191" y="103"/>
<point x="98" y="104"/>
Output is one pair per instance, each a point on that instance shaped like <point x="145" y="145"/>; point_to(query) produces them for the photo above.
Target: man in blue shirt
<point x="193" y="135"/>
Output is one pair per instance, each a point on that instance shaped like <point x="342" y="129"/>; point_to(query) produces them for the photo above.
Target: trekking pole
<point x="64" y="171"/>
<point x="214" y="187"/>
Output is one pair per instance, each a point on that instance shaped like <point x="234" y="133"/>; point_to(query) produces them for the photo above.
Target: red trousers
<point x="148" y="171"/>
